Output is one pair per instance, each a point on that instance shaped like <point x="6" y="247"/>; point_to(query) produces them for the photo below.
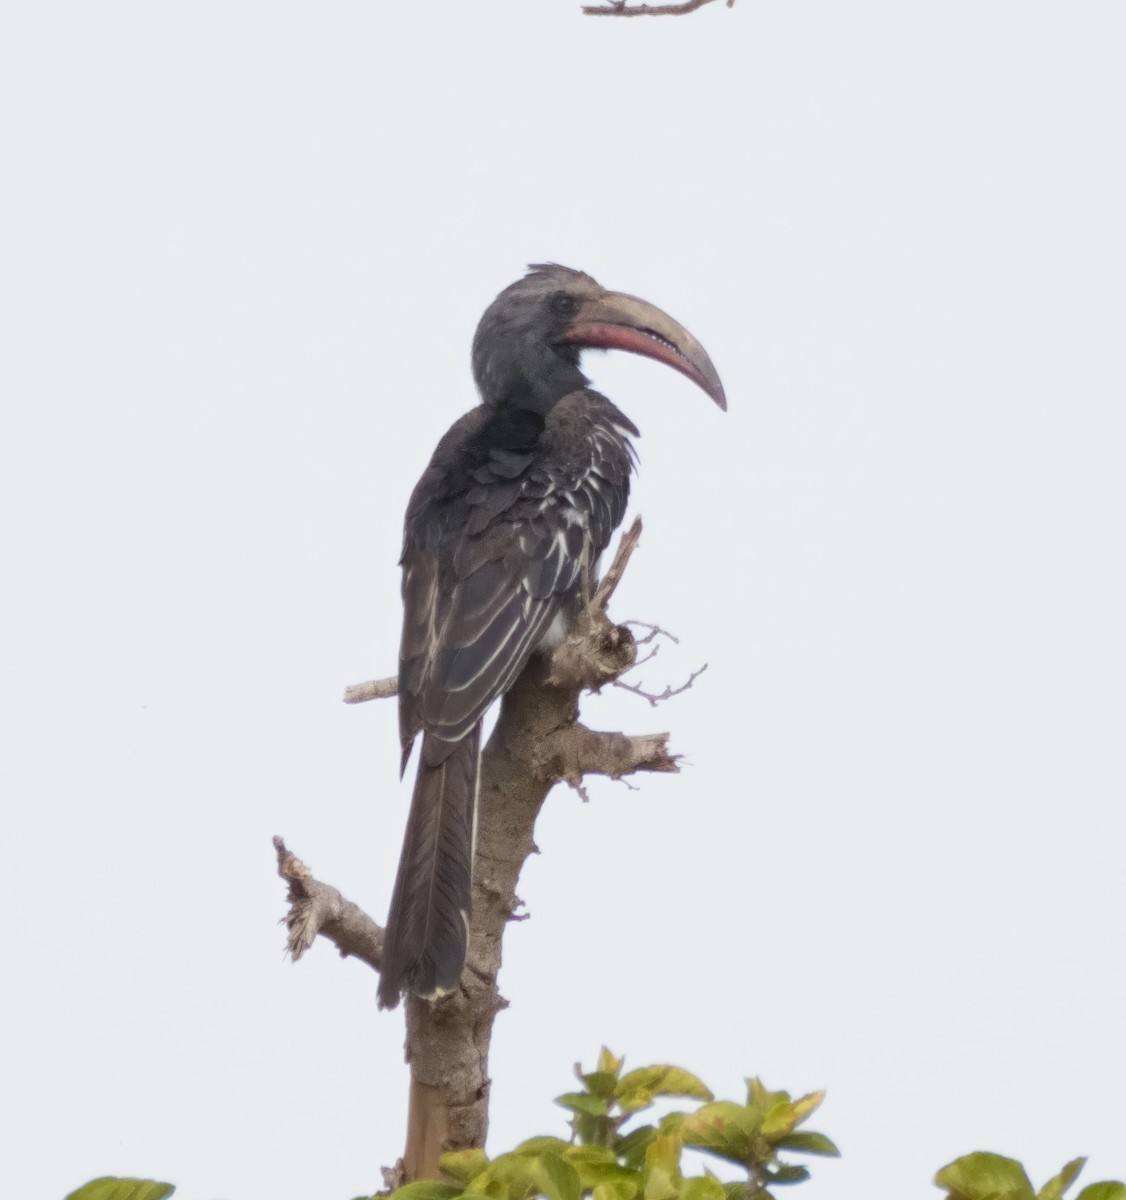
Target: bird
<point x="507" y="522"/>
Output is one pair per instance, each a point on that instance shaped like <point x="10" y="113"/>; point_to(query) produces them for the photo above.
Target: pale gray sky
<point x="244" y="250"/>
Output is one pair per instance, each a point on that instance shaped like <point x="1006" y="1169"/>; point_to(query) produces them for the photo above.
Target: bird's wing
<point x="491" y="552"/>
<point x="474" y="612"/>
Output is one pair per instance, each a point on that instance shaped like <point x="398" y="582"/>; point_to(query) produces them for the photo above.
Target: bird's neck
<point x="536" y="390"/>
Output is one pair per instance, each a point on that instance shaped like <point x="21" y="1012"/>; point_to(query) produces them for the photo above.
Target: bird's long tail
<point x="428" y="924"/>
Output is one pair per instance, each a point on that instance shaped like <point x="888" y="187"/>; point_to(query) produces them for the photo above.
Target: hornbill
<point x="518" y="502"/>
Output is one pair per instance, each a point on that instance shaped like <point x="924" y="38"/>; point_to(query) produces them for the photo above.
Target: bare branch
<point x="374" y="689"/>
<point x="613" y="576"/>
<point x="655" y="631"/>
<point x="637" y="662"/>
<point x="576" y="751"/>
<point x="650" y="639"/>
<point x="316" y="908"/>
<point x="656" y="698"/>
<point x="618" y="8"/>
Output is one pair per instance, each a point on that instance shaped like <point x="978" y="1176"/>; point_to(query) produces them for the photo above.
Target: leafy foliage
<point x="604" y="1160"/>
<point x="984" y="1176"/>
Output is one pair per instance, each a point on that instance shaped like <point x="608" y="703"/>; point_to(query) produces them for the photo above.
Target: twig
<point x="618" y="8"/>
<point x="667" y="694"/>
<point x="655" y="631"/>
<point x="579" y="788"/>
<point x="637" y="662"/>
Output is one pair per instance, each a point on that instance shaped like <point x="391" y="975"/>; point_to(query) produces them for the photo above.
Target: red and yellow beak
<point x="615" y="321"/>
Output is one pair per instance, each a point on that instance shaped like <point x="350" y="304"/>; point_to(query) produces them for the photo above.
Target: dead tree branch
<point x="538" y="741"/>
<point x="576" y="751"/>
<point x="316" y="908"/>
<point x="656" y="698"/>
<point x="655" y="632"/>
<point x="609" y="585"/>
<point x="374" y="689"/>
<point x="619" y="8"/>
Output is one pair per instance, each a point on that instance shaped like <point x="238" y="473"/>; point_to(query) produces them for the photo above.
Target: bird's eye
<point x="563" y="304"/>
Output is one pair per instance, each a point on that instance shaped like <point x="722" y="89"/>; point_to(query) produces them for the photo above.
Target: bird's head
<point x="526" y="350"/>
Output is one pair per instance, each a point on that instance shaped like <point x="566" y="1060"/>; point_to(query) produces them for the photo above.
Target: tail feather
<point x="428" y="924"/>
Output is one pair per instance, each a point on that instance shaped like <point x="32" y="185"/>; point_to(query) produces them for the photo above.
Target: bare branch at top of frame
<point x="619" y="8"/>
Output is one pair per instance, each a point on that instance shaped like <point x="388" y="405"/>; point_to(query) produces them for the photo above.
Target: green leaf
<point x="663" y="1153"/>
<point x="781" y="1118"/>
<point x="463" y="1165"/>
<point x="787" y="1174"/>
<point x="108" y="1188"/>
<point x="1058" y="1184"/>
<point x="809" y="1143"/>
<point x="980" y="1175"/>
<point x="598" y="1165"/>
<point x="721" y="1129"/>
<point x="489" y="1187"/>
<point x="661" y="1080"/>
<point x="760" y="1098"/>
<point x="624" y="1181"/>
<point x="608" y="1063"/>
<point x="600" y="1083"/>
<point x="671" y="1122"/>
<point x="634" y="1101"/>
<point x="589" y="1154"/>
<point x="736" y="1190"/>
<point x="507" y="1177"/>
<point x="557" y="1179"/>
<point x="602" y="1080"/>
<point x="805" y="1106"/>
<point x="594" y="1106"/>
<point x="659" y="1184"/>
<point x="1108" y="1189"/>
<point x="543" y="1145"/>
<point x="426" y="1189"/>
<point x="702" y="1187"/>
<point x="632" y="1146"/>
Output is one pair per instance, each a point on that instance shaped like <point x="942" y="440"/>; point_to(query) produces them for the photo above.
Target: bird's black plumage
<point x="520" y="498"/>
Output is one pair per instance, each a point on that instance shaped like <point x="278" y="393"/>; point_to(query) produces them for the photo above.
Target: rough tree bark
<point x="538" y="741"/>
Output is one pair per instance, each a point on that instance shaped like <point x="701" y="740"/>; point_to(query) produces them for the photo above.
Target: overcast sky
<point x="244" y="249"/>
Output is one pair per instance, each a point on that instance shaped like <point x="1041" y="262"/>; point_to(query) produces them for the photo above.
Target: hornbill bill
<point x="518" y="502"/>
